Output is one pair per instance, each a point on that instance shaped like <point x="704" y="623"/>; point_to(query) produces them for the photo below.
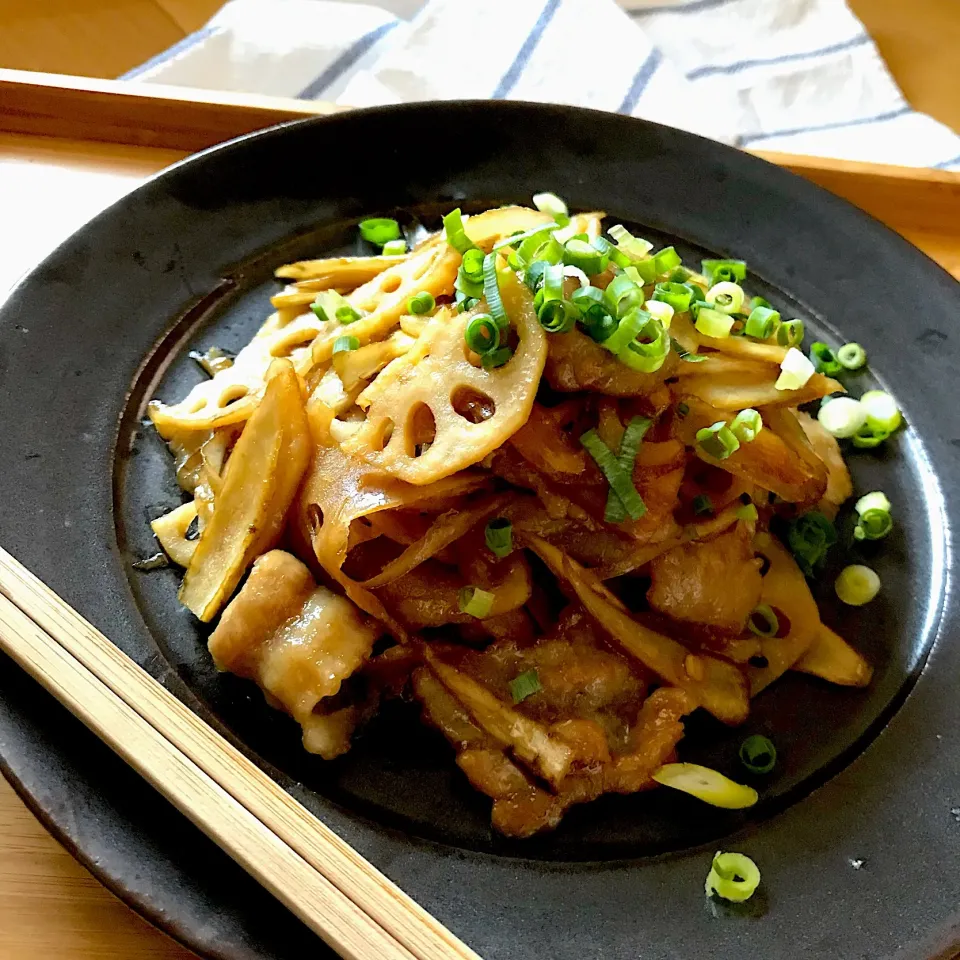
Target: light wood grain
<point x="97" y="38"/>
<point x="50" y="907"/>
<point x="275" y="865"/>
<point x="337" y="893"/>
<point x="188" y="15"/>
<point x="154" y="115"/>
<point x="919" y="40"/>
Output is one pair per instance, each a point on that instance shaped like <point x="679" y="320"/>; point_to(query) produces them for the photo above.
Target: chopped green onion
<point x="717" y="270"/>
<point x="706" y="784"/>
<point x="571" y="271"/>
<point x="476" y="602"/>
<point x="824" y="360"/>
<point x="702" y="504"/>
<point x="558" y="316"/>
<point x="762" y="322"/>
<point x="686" y="355"/>
<point x="758" y="754"/>
<point x="599" y="324"/>
<point x="882" y="411"/>
<point x="534" y="274"/>
<point x="790" y="333"/>
<point x="763" y="621"/>
<point x="455" y="232"/>
<point x="851" y="356"/>
<point x="551" y="204"/>
<point x="868" y="437"/>
<point x="345" y="344"/>
<point x="635" y="248"/>
<point x="726" y="296"/>
<point x="620" y="481"/>
<point x="587" y="296"/>
<point x="467" y="287"/>
<point x="346" y="314"/>
<point x="472" y="265"/>
<point x="482" y="334"/>
<point x="842" y="417"/>
<point x="648" y="354"/>
<point x="633" y="435"/>
<point x="496" y="358"/>
<point x="809" y="537"/>
<point x="713" y="323"/>
<point x="329" y="304"/>
<point x="614" y="253"/>
<point x="733" y="877"/>
<point x="491" y="292"/>
<point x="746" y="425"/>
<point x="760" y="302"/>
<point x="465" y="303"/>
<point x="498" y="535"/>
<point x="516" y="240"/>
<point x="717" y="441"/>
<point x="552" y="288"/>
<point x="642" y="272"/>
<point x="857" y="585"/>
<point x="874" y="521"/>
<point x="795" y="371"/>
<point x="379" y="230"/>
<point x="563" y="234"/>
<point x="421" y="303"/>
<point x="623" y="295"/>
<point x="677" y="295"/>
<point x="667" y="260"/>
<point x="395" y="248"/>
<point x="628" y="329"/>
<point x="661" y="311"/>
<point x="540" y="245"/>
<point x="525" y="685"/>
<point x="748" y="512"/>
<point x="583" y="255"/>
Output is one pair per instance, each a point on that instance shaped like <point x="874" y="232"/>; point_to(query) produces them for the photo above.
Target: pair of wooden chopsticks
<point x="351" y="905"/>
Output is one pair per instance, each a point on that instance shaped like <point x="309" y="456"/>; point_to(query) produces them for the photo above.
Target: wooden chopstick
<point x="412" y="930"/>
<point x="287" y="875"/>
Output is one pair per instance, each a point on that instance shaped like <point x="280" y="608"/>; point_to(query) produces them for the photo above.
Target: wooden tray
<point x="68" y="147"/>
<point x="922" y="205"/>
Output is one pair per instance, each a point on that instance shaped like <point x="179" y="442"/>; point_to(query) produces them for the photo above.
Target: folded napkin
<point x="801" y="76"/>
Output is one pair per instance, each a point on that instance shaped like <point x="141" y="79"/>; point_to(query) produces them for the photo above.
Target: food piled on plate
<point x="557" y="487"/>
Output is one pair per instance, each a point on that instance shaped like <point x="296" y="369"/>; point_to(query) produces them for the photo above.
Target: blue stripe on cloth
<point x="345" y="61"/>
<point x="681" y="7"/>
<point x="191" y="40"/>
<point x="860" y="121"/>
<point x="509" y="80"/>
<point x="709" y="71"/>
<point x="943" y="164"/>
<point x="640" y="80"/>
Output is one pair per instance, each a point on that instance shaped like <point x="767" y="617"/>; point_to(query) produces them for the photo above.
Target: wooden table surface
<point x="50" y="907"/>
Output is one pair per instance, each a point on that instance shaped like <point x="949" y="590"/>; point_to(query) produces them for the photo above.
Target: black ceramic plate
<point x="858" y="833"/>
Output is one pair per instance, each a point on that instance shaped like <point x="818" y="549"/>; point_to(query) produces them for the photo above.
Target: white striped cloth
<point x="802" y="76"/>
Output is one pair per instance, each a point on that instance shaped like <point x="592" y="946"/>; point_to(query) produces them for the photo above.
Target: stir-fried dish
<point x="557" y="487"/>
